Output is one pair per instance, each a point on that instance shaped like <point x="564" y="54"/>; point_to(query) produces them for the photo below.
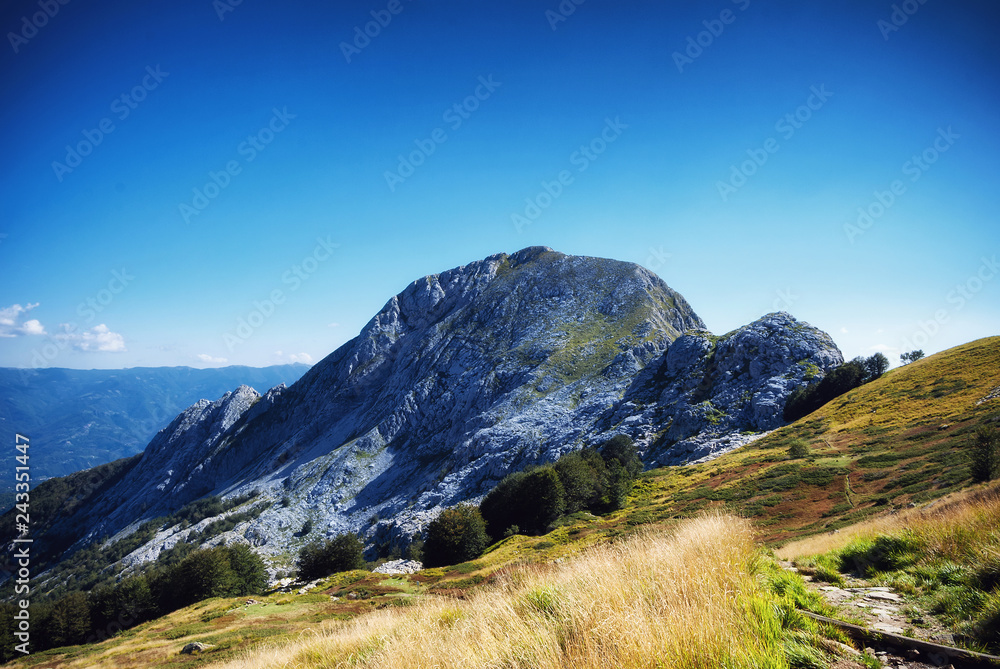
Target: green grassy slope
<point x="898" y="440"/>
<point x="901" y="439"/>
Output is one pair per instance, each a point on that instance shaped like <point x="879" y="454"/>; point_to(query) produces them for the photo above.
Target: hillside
<point x="923" y="414"/>
<point x="898" y="440"/>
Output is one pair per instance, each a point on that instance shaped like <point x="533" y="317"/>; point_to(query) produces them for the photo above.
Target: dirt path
<point x="881" y="609"/>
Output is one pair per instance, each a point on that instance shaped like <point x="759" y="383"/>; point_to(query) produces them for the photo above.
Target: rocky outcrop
<point x="461" y="378"/>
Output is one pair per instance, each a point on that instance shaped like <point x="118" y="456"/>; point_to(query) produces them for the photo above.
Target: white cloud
<point x="294" y="357"/>
<point x="33" y="327"/>
<point x="11" y="325"/>
<point x="206" y="358"/>
<point x="843" y="330"/>
<point x="98" y="338"/>
<point x="333" y="325"/>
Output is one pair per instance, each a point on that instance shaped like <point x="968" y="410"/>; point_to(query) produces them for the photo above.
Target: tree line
<point x="524" y="502"/>
<point x="172" y="583"/>
<point x="805" y="399"/>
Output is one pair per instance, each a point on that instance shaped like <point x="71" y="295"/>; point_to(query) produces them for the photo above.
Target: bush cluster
<point x="328" y="556"/>
<point x="457" y="535"/>
<point x="848" y="376"/>
<point x="530" y="501"/>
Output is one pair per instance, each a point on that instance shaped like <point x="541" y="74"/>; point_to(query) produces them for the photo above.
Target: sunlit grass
<point x="703" y="596"/>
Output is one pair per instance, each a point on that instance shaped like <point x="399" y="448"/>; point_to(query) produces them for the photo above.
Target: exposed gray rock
<point x="196" y="647"/>
<point x="399" y="567"/>
<point x="460" y="379"/>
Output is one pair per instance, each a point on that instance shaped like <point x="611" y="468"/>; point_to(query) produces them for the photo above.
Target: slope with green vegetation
<point x="900" y="440"/>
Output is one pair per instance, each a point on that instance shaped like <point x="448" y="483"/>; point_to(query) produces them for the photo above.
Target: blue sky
<point x="203" y="183"/>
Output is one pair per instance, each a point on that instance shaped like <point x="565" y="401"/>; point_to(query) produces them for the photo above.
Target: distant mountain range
<point x="81" y="418"/>
<point x="461" y="378"/>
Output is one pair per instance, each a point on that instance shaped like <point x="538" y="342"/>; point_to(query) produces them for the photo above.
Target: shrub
<point x="321" y="558"/>
<point x="984" y="454"/>
<point x="798" y="449"/>
<point x="457" y="535"/>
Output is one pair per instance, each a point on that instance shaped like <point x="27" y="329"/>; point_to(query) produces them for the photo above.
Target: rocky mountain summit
<point x="458" y="380"/>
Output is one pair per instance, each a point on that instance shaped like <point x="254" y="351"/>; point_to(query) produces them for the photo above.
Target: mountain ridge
<point x="460" y="378"/>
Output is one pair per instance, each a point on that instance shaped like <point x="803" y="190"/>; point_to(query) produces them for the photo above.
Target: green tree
<point x="505" y="505"/>
<point x="69" y="621"/>
<point x="876" y="365"/>
<point x="582" y="482"/>
<point x="248" y="569"/>
<point x="806" y="399"/>
<point x="134" y="602"/>
<point x="621" y="448"/>
<point x="984" y="455"/>
<point x="205" y="573"/>
<point x="911" y="356"/>
<point x="323" y="557"/>
<point x="544" y="500"/>
<point x="457" y="535"/>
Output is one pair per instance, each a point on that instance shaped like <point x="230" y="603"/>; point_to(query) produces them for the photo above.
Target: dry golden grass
<point x="687" y="599"/>
<point x="948" y="527"/>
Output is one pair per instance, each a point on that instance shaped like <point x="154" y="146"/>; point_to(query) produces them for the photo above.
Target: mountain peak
<point x="461" y="378"/>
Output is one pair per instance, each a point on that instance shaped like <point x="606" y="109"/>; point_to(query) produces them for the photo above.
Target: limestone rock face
<point x="459" y="379"/>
